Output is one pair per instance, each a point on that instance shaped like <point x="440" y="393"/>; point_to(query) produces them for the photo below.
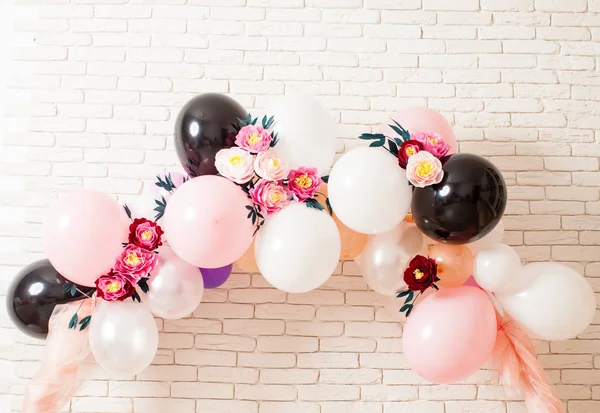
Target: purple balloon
<point x="216" y="277"/>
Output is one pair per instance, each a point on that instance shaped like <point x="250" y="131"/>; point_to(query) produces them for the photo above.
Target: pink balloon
<point x="471" y="282"/>
<point x="83" y="233"/>
<point x="450" y="335"/>
<point x="419" y="119"/>
<point x="206" y="222"/>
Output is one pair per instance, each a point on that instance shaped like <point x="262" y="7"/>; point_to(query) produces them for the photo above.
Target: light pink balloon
<point x="450" y="334"/>
<point x="420" y="119"/>
<point x="206" y="222"/>
<point x="83" y="233"/>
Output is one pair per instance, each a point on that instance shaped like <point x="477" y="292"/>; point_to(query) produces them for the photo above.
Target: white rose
<point x="235" y="164"/>
<point x="269" y="165"/>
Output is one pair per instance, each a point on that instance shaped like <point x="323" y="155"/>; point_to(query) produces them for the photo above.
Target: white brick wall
<point x="94" y="87"/>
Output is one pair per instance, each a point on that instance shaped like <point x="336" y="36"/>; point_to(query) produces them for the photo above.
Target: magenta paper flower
<point x="135" y="263"/>
<point x="114" y="287"/>
<point x="432" y="143"/>
<point x="270" y="166"/>
<point x="145" y="234"/>
<point x="424" y="169"/>
<point x="304" y="182"/>
<point x="253" y="138"/>
<point x="270" y="196"/>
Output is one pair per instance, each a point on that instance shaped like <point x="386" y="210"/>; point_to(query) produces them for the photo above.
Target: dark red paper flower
<point x="145" y="234"/>
<point x="408" y="149"/>
<point x="421" y="273"/>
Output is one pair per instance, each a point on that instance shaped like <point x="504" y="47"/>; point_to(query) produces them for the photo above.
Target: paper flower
<point x="304" y="182"/>
<point x="408" y="149"/>
<point x="270" y="196"/>
<point x="432" y="143"/>
<point x="114" y="287"/>
<point x="135" y="263"/>
<point x="235" y="164"/>
<point x="424" y="169"/>
<point x="421" y="273"/>
<point x="253" y="138"/>
<point x="145" y="234"/>
<point x="269" y="165"/>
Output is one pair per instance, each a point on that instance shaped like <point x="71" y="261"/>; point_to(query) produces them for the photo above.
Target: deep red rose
<point x="114" y="287"/>
<point x="408" y="149"/>
<point x="421" y="273"/>
<point x="145" y="234"/>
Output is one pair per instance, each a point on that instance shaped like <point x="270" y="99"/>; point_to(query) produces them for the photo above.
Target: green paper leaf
<point x="313" y="203"/>
<point x="248" y="207"/>
<point x="73" y="290"/>
<point x="398" y="141"/>
<point x="73" y="322"/>
<point x="143" y="284"/>
<point x="136" y="297"/>
<point x="67" y="287"/>
<point x="85" y="322"/>
<point x="325" y="179"/>
<point x="270" y="122"/>
<point x="406" y="307"/>
<point x="403" y="293"/>
<point x="328" y="206"/>
<point x="410" y="297"/>
<point x="409" y="311"/>
<point x="372" y="136"/>
<point x="435" y="287"/>
<point x="393" y="147"/>
<point x="377" y="144"/>
<point x="405" y="134"/>
<point x="127" y="210"/>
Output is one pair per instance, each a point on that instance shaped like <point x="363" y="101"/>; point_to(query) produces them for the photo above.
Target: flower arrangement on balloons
<point x="419" y="153"/>
<point x="263" y="174"/>
<point x="132" y="267"/>
<point x="419" y="276"/>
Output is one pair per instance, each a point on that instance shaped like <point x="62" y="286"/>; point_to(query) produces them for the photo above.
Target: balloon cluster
<point x="423" y="220"/>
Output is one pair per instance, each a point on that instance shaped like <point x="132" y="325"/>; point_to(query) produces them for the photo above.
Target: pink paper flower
<point x="253" y="138"/>
<point x="235" y="164"/>
<point x="145" y="234"/>
<point x="135" y="263"/>
<point x="432" y="143"/>
<point x="269" y="165"/>
<point x="424" y="169"/>
<point x="304" y="182"/>
<point x="114" y="287"/>
<point x="270" y="196"/>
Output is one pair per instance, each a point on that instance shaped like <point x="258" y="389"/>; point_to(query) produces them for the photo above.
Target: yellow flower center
<point x="410" y="151"/>
<point x="146" y="235"/>
<point x="304" y="181"/>
<point x="253" y="139"/>
<point x="275" y="197"/>
<point x="431" y="140"/>
<point x="424" y="169"/>
<point x="235" y="160"/>
<point x="132" y="259"/>
<point x="113" y="287"/>
<point x="418" y="274"/>
<point x="274" y="162"/>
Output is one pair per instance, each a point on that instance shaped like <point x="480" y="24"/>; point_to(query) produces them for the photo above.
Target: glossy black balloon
<point x="466" y="205"/>
<point x="203" y="128"/>
<point x="34" y="293"/>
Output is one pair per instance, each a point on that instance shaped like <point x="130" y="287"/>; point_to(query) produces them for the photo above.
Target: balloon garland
<point x="258" y="194"/>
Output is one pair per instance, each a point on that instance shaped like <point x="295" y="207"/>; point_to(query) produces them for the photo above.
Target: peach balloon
<point x="83" y="233"/>
<point x="352" y="242"/>
<point x="450" y="334"/>
<point x="206" y="222"/>
<point x="247" y="262"/>
<point x="455" y="264"/>
<point x="420" y="119"/>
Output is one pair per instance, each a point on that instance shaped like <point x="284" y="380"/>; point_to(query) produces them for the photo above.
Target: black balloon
<point x="34" y="293"/>
<point x="203" y="128"/>
<point x="466" y="205"/>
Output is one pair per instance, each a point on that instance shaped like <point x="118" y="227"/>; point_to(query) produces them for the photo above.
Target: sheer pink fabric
<point x="56" y="382"/>
<point x="521" y="373"/>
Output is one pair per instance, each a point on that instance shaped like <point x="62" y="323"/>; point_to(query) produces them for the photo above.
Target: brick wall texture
<point x="94" y="86"/>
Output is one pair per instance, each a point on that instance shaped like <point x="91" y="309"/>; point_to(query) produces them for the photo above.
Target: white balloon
<point x="368" y="191"/>
<point x="558" y="304"/>
<point x="494" y="237"/>
<point x="176" y="287"/>
<point x="298" y="248"/>
<point x="306" y="132"/>
<point x="123" y="336"/>
<point x="498" y="269"/>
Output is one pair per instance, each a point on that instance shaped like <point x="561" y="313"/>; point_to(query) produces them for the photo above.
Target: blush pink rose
<point x="424" y="169"/>
<point x="432" y="143"/>
<point x="114" y="287"/>
<point x="235" y="164"/>
<point x="304" y="182"/>
<point x="270" y="166"/>
<point x="135" y="263"/>
<point x="253" y="138"/>
<point x="270" y="196"/>
<point x="145" y="234"/>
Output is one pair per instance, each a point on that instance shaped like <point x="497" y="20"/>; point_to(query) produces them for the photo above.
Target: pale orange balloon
<point x="247" y="263"/>
<point x="455" y="264"/>
<point x="352" y="242"/>
<point x="409" y="217"/>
